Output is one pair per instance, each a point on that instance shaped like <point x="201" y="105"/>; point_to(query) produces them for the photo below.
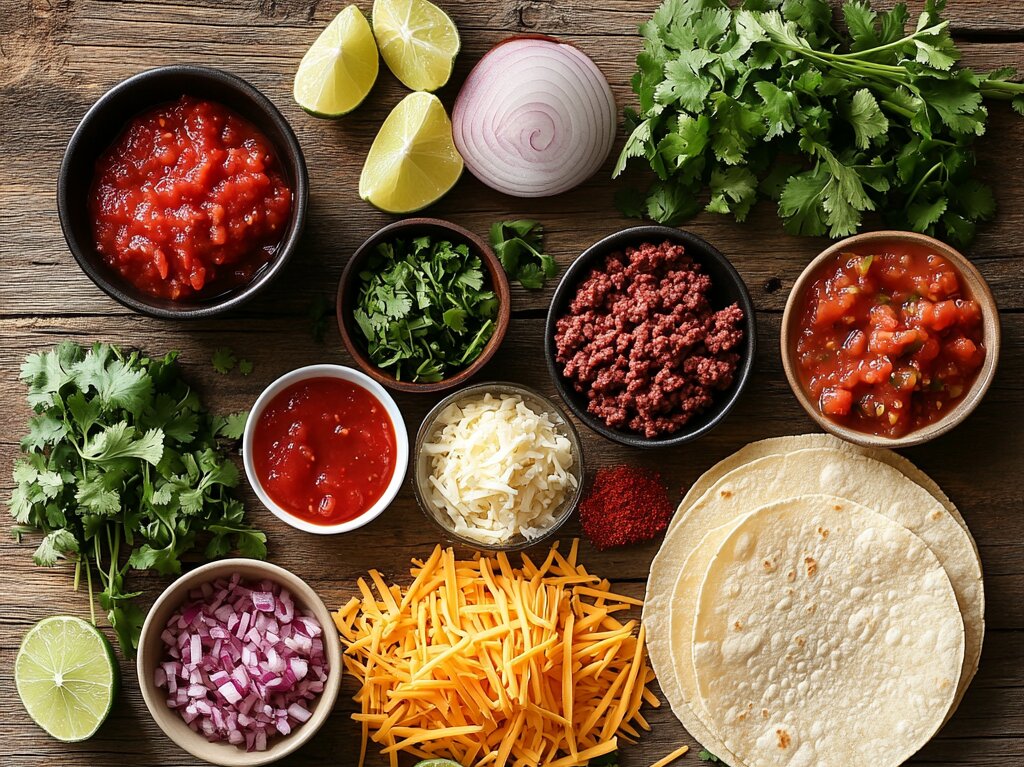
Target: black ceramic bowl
<point x="726" y="288"/>
<point x="104" y="122"/>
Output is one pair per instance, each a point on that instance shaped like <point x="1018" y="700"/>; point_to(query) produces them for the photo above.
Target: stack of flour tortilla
<point x="815" y="604"/>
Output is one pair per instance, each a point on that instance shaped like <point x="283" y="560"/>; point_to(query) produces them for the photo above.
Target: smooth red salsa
<point x="889" y="342"/>
<point x="324" y="450"/>
<point x="188" y="201"/>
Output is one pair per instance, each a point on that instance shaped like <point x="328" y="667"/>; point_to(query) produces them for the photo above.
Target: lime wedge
<point x="437" y="763"/>
<point x="66" y="677"/>
<point x="340" y="68"/>
<point x="413" y="161"/>
<point x="417" y="40"/>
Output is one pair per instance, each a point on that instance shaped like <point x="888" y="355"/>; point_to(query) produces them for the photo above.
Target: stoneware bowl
<point x="539" y="404"/>
<point x="104" y="122"/>
<point x="727" y="287"/>
<point x="973" y="286"/>
<point x="151" y="653"/>
<point x="348" y="295"/>
<point x="380" y="394"/>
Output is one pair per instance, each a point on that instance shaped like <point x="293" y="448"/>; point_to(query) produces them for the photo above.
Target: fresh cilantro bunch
<point x="122" y="470"/>
<point x="519" y="245"/>
<point x="771" y="100"/>
<point x="422" y="308"/>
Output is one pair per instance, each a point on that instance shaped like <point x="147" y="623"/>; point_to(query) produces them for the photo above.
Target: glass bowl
<point x="539" y="404"/>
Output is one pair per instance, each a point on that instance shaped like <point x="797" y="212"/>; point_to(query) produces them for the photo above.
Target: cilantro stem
<point x="933" y="30"/>
<point x="92" y="601"/>
<point x="894" y="107"/>
<point x="921" y="182"/>
<point x="863" y="69"/>
<point x="1001" y="89"/>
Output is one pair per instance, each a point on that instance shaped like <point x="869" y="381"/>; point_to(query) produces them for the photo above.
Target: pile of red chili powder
<point x="625" y="505"/>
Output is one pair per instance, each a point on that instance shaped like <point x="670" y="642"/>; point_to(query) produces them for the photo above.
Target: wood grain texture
<point x="58" y="56"/>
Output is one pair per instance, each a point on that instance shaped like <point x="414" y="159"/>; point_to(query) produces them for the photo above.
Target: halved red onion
<point x="535" y="117"/>
<point x="241" y="664"/>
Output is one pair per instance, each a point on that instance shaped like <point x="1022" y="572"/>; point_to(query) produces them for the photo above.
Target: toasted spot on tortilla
<point x="784" y="739"/>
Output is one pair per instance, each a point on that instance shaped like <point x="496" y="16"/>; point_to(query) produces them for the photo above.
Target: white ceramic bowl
<point x="380" y="394"/>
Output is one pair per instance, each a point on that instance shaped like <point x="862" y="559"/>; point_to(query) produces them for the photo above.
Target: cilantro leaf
<point x="224" y="360"/>
<point x="231" y="426"/>
<point x="866" y="118"/>
<point x="121" y="441"/>
<point x="733" y="190"/>
<point x="245" y="367"/>
<point x="519" y="245"/>
<point x="57" y="544"/>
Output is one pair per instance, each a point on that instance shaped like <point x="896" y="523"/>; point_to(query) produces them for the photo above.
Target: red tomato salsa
<point x="324" y="450"/>
<point x="888" y="342"/>
<point x="189" y="201"/>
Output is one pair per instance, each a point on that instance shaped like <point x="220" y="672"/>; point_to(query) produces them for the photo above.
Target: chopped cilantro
<point x="422" y="308"/>
<point x="123" y="470"/>
<point x="519" y="245"/>
<point x="879" y="116"/>
<point x="245" y="367"/>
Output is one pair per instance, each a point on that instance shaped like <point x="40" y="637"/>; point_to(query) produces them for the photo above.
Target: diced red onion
<point x="263" y="601"/>
<point x="242" y="693"/>
<point x="535" y="118"/>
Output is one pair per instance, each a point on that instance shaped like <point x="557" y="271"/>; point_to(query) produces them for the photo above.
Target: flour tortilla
<point x="826" y="635"/>
<point x="843" y="472"/>
<point x="780" y="445"/>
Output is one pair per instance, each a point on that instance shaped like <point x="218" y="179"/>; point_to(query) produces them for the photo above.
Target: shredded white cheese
<point x="498" y="468"/>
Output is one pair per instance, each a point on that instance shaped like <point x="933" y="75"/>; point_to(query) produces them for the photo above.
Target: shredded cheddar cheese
<point x="496" y="666"/>
<point x="669" y="758"/>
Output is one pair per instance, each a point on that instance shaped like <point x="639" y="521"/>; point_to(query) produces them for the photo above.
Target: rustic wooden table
<point x="58" y="56"/>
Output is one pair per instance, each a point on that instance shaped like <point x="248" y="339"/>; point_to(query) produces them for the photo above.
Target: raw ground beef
<point x="642" y="341"/>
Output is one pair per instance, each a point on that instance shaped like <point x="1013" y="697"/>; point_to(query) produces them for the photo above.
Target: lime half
<point x="340" y="68"/>
<point x="66" y="677"/>
<point x="418" y="41"/>
<point x="413" y="161"/>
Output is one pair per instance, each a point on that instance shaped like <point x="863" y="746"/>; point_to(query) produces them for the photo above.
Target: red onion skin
<point x="539" y="148"/>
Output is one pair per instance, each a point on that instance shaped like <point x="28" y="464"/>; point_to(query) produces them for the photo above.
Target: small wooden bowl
<point x="348" y="294"/>
<point x="973" y="286"/>
<point x="151" y="652"/>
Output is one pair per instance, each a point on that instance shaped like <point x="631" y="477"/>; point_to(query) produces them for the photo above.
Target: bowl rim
<point x="343" y="373"/>
<point x="572" y="433"/>
<point x="499" y="283"/>
<point x="290" y="154"/>
<point x="977" y="287"/>
<point x="200" y="746"/>
<point x="702" y="251"/>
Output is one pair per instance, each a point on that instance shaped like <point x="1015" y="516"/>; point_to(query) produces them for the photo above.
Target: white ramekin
<point x="380" y="394"/>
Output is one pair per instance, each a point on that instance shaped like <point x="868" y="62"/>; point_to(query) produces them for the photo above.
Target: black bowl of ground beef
<point x="650" y="337"/>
